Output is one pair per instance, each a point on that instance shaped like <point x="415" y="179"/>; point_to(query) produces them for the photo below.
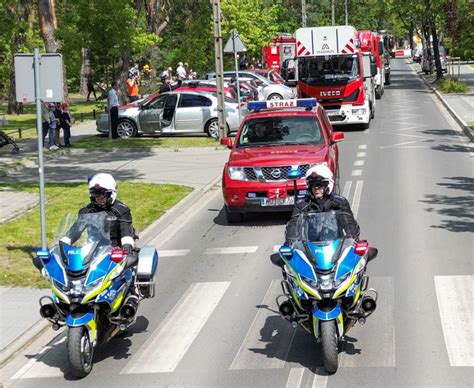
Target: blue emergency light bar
<point x="282" y="104"/>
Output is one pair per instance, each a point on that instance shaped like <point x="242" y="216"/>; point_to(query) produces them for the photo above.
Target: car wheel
<point x="275" y="96"/>
<point x="126" y="129"/>
<point x="212" y="128"/>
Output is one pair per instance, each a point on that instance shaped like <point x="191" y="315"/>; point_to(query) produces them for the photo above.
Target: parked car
<point x="274" y="138"/>
<point x="272" y="75"/>
<point x="172" y="113"/>
<point x="270" y="90"/>
<point x="428" y="62"/>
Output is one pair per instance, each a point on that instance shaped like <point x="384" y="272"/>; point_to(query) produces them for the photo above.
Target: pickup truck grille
<point x="271" y="174"/>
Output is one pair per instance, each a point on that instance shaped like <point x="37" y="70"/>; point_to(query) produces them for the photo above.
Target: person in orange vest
<point x="132" y="87"/>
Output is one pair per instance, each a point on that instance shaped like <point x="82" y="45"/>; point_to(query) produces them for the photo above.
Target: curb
<point x="38" y="328"/>
<point x="465" y="128"/>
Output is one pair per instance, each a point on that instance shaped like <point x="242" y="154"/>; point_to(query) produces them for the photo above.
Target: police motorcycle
<point x="96" y="288"/>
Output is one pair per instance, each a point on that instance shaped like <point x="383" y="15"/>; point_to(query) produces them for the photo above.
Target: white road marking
<point x="269" y="337"/>
<point x="320" y="379"/>
<point x="171" y="340"/>
<point x="230" y="250"/>
<point x="295" y="378"/>
<point x="347" y="189"/>
<point x="356" y="199"/>
<point x="356" y="172"/>
<point x="456" y="308"/>
<point x="49" y="362"/>
<point x="361" y="154"/>
<point x="375" y="345"/>
<point x="363" y="147"/>
<point x="359" y="163"/>
<point x="173" y="253"/>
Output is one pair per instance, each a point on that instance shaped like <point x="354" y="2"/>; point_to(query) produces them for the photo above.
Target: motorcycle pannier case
<point x="147" y="263"/>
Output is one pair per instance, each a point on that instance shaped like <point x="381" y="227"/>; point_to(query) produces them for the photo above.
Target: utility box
<point x="51" y="76"/>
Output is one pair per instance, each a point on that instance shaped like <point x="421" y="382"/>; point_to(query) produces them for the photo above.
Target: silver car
<point x="172" y="113"/>
<point x="269" y="90"/>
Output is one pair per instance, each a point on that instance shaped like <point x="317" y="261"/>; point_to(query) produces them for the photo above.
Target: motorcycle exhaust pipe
<point x="286" y="309"/>
<point x="368" y="304"/>
<point x="47" y="310"/>
<point x="130" y="307"/>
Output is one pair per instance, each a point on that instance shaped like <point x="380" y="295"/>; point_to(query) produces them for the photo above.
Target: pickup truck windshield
<point x="280" y="130"/>
<point x="328" y="70"/>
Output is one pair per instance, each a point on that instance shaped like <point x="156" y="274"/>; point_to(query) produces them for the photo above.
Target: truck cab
<point x="332" y="68"/>
<point x="369" y="43"/>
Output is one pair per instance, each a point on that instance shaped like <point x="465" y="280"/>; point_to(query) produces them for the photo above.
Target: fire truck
<point x="332" y="68"/>
<point x="281" y="48"/>
<point x="371" y="43"/>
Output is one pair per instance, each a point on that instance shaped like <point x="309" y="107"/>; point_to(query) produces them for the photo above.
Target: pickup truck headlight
<point x="237" y="173"/>
<point x="360" y="111"/>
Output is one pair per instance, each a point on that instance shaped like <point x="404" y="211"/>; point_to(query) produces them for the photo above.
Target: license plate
<point x="332" y="112"/>
<point x="277" y="201"/>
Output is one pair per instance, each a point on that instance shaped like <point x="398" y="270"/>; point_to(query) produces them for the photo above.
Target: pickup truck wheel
<point x="233" y="217"/>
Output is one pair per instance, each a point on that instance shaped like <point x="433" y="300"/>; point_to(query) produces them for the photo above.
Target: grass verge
<point x="452" y="86"/>
<point x="22" y="235"/>
<point x="471" y="125"/>
<point x="104" y="142"/>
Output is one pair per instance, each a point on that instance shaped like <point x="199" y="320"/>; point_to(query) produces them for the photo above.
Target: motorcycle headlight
<point x="310" y="282"/>
<point x="325" y="282"/>
<point x="339" y="281"/>
<point x="237" y="173"/>
<point x="60" y="287"/>
<point x="94" y="284"/>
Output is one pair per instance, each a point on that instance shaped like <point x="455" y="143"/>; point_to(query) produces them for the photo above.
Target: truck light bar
<point x="282" y="104"/>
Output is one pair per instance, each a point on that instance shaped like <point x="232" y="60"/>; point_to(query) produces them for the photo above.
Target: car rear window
<point x="280" y="130"/>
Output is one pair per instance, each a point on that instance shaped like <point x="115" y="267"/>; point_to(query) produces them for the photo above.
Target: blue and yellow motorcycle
<point x="324" y="281"/>
<point x="96" y="289"/>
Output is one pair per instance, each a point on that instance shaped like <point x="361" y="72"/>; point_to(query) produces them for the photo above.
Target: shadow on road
<point x="253" y="220"/>
<point x="458" y="209"/>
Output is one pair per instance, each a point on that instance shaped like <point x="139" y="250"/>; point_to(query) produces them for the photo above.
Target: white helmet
<point x="320" y="173"/>
<point x="103" y="184"/>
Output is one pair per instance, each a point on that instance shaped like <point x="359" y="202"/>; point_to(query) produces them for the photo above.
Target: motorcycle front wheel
<point x="329" y="342"/>
<point x="80" y="351"/>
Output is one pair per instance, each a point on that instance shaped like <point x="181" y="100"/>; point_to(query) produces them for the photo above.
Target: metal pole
<point x="236" y="73"/>
<point x="219" y="69"/>
<point x="303" y="13"/>
<point x="346" y="13"/>
<point x="333" y="12"/>
<point x="39" y="130"/>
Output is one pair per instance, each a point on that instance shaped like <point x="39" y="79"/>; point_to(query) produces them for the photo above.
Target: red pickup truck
<point x="276" y="137"/>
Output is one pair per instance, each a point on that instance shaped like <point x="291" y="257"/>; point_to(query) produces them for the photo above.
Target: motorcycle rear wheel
<point x="80" y="351"/>
<point x="329" y="342"/>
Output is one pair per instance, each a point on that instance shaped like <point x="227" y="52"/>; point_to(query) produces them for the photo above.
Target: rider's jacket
<point x="330" y="202"/>
<point x="121" y="229"/>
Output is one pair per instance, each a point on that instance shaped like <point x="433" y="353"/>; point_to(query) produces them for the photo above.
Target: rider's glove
<point x="127" y="248"/>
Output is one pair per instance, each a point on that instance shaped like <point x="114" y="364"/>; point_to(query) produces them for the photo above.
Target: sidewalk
<point x="199" y="168"/>
<point x="459" y="105"/>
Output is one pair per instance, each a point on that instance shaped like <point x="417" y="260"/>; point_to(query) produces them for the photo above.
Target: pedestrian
<point x="45" y="120"/>
<point x="52" y="125"/>
<point x="90" y="88"/>
<point x="187" y="70"/>
<point x="181" y="71"/>
<point x="113" y="104"/>
<point x="58" y="114"/>
<point x="166" y="74"/>
<point x="168" y="86"/>
<point x="67" y="121"/>
<point x="132" y="87"/>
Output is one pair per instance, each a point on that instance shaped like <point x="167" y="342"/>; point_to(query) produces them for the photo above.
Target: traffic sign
<point x="234" y="44"/>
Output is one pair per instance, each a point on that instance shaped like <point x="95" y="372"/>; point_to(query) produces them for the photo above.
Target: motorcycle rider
<point x="103" y="197"/>
<point x="320" y="198"/>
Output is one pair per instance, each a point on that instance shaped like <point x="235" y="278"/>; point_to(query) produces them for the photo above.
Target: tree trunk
<point x="439" y="70"/>
<point x="12" y="92"/>
<point x="86" y="72"/>
<point x="48" y="25"/>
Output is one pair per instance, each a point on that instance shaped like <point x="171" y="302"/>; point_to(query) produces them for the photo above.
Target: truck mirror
<point x="226" y="141"/>
<point x="373" y="69"/>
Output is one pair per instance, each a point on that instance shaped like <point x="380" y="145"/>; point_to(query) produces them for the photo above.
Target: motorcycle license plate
<point x="278" y="201"/>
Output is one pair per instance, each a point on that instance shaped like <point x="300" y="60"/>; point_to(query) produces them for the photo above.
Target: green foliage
<point x="452" y="86"/>
<point x="104" y="142"/>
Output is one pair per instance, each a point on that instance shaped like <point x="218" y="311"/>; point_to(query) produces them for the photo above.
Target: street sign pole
<point x="39" y="130"/>
<point x="219" y="69"/>
<point x="236" y="73"/>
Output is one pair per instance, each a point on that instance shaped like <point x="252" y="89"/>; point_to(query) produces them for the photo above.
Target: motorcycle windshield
<point x="80" y="236"/>
<point x="321" y="234"/>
